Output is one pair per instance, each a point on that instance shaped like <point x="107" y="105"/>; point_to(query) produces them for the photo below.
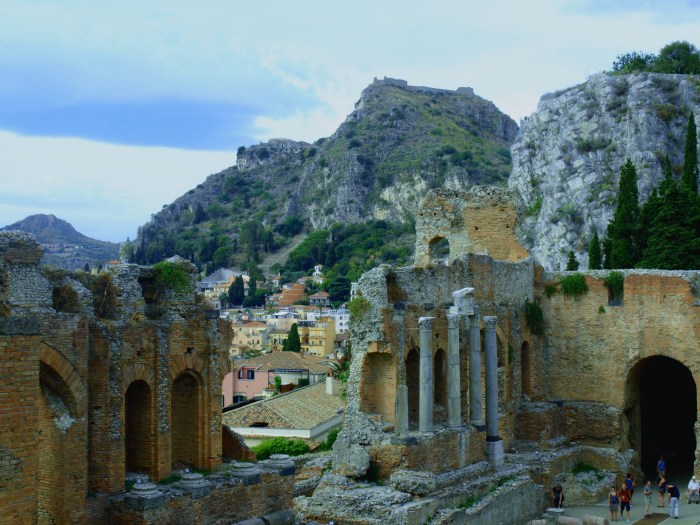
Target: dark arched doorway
<point x="661" y="409"/>
<point x="413" y="384"/>
<point x="439" y="250"/>
<point x="139" y="435"/>
<point x="440" y="385"/>
<point x="186" y="437"/>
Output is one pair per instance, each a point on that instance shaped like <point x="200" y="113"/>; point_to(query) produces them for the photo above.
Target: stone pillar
<point x="425" y="405"/>
<point x="401" y="406"/>
<point x="475" y="370"/>
<point x="494" y="445"/>
<point x="454" y="405"/>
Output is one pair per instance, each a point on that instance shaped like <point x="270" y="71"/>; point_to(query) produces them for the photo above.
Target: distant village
<point x="261" y="369"/>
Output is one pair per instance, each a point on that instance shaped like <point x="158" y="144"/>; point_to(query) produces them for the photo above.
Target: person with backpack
<point x="613" y="502"/>
<point x="629" y="483"/>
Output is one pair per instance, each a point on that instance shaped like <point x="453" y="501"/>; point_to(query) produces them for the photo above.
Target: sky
<point x="110" y="110"/>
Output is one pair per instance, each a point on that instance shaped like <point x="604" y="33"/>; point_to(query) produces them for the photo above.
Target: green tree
<point x="86" y="268"/>
<point x="571" y="263"/>
<point x="689" y="181"/>
<point x="236" y="292"/>
<point x="673" y="241"/>
<point x="338" y="287"/>
<point x="252" y="287"/>
<point x="678" y="57"/>
<point x="595" y="257"/>
<point x="223" y="299"/>
<point x="633" y="62"/>
<point x="293" y="342"/>
<point x="621" y="243"/>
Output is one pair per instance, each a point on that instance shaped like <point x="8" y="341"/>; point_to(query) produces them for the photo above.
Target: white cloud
<point x="105" y="191"/>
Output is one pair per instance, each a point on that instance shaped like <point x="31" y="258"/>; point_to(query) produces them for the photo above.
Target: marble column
<point x="475" y="370"/>
<point x="454" y="405"/>
<point x="425" y="404"/>
<point x="401" y="407"/>
<point x="494" y="445"/>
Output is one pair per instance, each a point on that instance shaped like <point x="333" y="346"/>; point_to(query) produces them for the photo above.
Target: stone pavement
<point x="689" y="513"/>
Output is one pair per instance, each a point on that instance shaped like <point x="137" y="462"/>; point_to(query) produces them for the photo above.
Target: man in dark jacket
<point x="674" y="495"/>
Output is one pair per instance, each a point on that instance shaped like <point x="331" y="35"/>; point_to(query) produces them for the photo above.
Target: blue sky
<point x="108" y="110"/>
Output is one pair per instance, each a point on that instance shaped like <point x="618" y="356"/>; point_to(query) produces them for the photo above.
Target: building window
<point x="251" y="374"/>
<point x="240" y="374"/>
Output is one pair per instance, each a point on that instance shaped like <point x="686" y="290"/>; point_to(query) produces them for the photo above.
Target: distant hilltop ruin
<point x="421" y="89"/>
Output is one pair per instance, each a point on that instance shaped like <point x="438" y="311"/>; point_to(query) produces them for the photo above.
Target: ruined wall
<point x="70" y="427"/>
<point x="479" y="221"/>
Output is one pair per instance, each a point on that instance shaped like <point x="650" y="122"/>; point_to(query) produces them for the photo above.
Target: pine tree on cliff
<point x="689" y="181"/>
<point x="621" y="239"/>
<point x="571" y="263"/>
<point x="670" y="220"/>
<point x="595" y="258"/>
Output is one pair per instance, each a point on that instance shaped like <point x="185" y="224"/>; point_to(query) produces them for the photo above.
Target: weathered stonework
<point x="570" y="395"/>
<point x="87" y="399"/>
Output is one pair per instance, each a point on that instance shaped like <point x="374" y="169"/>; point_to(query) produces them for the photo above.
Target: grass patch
<point x="574" y="284"/>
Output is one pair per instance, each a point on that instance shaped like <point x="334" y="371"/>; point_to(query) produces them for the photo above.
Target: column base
<point x="494" y="453"/>
<point x="403" y="440"/>
<point x="479" y="425"/>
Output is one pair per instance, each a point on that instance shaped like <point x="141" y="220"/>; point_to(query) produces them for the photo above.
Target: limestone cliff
<point x="567" y="155"/>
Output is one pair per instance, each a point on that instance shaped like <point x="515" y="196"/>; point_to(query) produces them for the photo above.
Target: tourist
<point x="613" y="502"/>
<point x="693" y="490"/>
<point x="673" y="504"/>
<point x="647" y="499"/>
<point x="629" y="483"/>
<point x="625" y="501"/>
<point x="662" y="491"/>
<point x="558" y="493"/>
<point x="660" y="468"/>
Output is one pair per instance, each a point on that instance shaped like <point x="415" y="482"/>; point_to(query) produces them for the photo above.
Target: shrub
<point x="550" y="290"/>
<point x="66" y="299"/>
<point x="534" y="317"/>
<point x="582" y="467"/>
<point x="173" y="276"/>
<point x="330" y="439"/>
<point x="358" y="307"/>
<point x="280" y="445"/>
<point x="574" y="284"/>
<point x="533" y="210"/>
<point x="615" y="283"/>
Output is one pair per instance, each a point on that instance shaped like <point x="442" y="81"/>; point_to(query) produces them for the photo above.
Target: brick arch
<point x="139" y="372"/>
<point x="68" y="374"/>
<point x="187" y="361"/>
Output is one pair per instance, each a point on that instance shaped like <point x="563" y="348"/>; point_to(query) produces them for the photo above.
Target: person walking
<point x="674" y="502"/>
<point x="648" y="491"/>
<point x="558" y="496"/>
<point x="613" y="503"/>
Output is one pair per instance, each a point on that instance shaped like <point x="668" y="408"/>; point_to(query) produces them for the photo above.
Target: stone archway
<point x="139" y="438"/>
<point x="439" y="250"/>
<point x="661" y="411"/>
<point x="413" y="385"/>
<point x="186" y="436"/>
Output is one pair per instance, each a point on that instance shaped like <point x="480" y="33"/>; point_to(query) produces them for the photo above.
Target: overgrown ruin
<point x="458" y="399"/>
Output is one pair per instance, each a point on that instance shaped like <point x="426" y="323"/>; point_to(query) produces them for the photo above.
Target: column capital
<point x="474" y="319"/>
<point x="425" y="323"/>
<point x="453" y="320"/>
<point x="490" y="322"/>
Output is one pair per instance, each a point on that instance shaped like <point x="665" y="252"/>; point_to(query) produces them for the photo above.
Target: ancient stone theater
<point x="478" y="380"/>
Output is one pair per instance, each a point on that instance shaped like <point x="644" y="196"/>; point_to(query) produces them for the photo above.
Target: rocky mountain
<point x="63" y="246"/>
<point x="399" y="141"/>
<point x="567" y="155"/>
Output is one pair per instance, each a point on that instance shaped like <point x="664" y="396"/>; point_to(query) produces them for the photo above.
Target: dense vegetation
<point x="347" y="251"/>
<point x="397" y="142"/>
<point x="665" y="232"/>
<point x="677" y="57"/>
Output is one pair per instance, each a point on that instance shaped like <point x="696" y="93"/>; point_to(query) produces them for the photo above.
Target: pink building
<point x="251" y="377"/>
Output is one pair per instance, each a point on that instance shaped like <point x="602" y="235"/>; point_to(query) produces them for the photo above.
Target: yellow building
<point x="250" y="335"/>
<point x="317" y="336"/>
